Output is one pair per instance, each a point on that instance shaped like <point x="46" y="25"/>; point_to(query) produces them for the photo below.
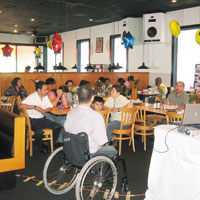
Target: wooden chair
<point x="105" y="114"/>
<point x="142" y="127"/>
<point x="18" y="101"/>
<point x="173" y="117"/>
<point x="11" y="101"/>
<point x="127" y="119"/>
<point x="48" y="134"/>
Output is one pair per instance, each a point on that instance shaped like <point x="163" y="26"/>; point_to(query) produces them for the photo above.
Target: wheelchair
<point x="70" y="166"/>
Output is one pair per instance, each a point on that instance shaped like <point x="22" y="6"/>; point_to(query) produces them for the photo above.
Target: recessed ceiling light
<point x="91" y="20"/>
<point x="15" y="31"/>
<point x="15" y="25"/>
<point x="32" y="19"/>
<point x="173" y="1"/>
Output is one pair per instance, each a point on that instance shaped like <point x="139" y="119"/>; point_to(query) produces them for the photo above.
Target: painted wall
<point x="15" y="38"/>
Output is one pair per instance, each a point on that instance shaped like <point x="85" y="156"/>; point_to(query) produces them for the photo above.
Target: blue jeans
<point x="114" y="125"/>
<point x="60" y="119"/>
<point x="105" y="150"/>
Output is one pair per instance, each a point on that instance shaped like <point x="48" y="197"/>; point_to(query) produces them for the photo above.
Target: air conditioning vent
<point x="41" y="39"/>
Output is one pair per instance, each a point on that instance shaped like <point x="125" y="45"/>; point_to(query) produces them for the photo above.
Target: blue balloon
<point x="128" y="40"/>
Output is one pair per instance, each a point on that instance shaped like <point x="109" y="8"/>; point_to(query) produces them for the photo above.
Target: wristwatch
<point x="118" y="109"/>
<point x="35" y="107"/>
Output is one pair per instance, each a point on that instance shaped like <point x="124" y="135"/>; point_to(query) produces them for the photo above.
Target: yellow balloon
<point x="38" y="52"/>
<point x="197" y="36"/>
<point x="49" y="44"/>
<point x="175" y="28"/>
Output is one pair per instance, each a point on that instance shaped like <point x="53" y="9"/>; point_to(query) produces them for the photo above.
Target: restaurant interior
<point x="137" y="41"/>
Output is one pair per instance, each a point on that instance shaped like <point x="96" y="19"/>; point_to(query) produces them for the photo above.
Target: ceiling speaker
<point x="154" y="26"/>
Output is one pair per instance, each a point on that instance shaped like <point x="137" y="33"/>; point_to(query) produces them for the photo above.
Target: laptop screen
<point x="191" y="114"/>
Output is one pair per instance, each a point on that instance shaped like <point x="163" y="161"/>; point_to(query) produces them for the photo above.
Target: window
<point x="25" y="57"/>
<point x="21" y="56"/>
<point x="83" y="54"/>
<point x="118" y="53"/>
<point x="8" y="64"/>
<point x="187" y="56"/>
<point x="53" y="59"/>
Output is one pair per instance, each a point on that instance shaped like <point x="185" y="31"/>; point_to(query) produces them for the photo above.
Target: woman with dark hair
<point x="59" y="97"/>
<point x="69" y="83"/>
<point x="17" y="89"/>
<point x="121" y="82"/>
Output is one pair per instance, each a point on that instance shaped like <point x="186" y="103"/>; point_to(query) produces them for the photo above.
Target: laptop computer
<point x="191" y="114"/>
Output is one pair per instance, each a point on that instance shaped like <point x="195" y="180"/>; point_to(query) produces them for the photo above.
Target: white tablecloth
<point x="174" y="172"/>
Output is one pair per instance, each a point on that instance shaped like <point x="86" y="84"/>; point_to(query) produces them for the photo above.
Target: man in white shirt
<point x="116" y="102"/>
<point x="84" y="119"/>
<point x="37" y="104"/>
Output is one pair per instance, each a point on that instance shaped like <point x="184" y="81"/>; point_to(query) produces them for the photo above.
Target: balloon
<point x="175" y="28"/>
<point x="197" y="36"/>
<point x="49" y="44"/>
<point x="57" y="43"/>
<point x="37" y="52"/>
<point x="7" y="50"/>
<point x="128" y="40"/>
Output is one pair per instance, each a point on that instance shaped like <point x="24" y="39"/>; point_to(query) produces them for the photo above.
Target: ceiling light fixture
<point x="15" y="25"/>
<point x="173" y="1"/>
<point x="91" y="20"/>
<point x="32" y="19"/>
<point x="0" y="11"/>
<point x="15" y="31"/>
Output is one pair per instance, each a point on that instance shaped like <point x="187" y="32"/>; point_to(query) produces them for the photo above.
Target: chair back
<point x="76" y="148"/>
<point x="128" y="116"/>
<point x="10" y="100"/>
<point x="18" y="101"/>
<point x="105" y="114"/>
<point x="141" y="115"/>
<point x="173" y="117"/>
<point x="24" y="113"/>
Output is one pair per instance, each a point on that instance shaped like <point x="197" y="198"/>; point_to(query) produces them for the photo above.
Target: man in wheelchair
<point x="84" y="119"/>
<point x="84" y="161"/>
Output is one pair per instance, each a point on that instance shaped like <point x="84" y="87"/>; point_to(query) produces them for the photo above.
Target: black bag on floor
<point x="76" y="148"/>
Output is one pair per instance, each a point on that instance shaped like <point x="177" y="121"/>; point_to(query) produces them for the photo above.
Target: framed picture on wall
<point x="99" y="45"/>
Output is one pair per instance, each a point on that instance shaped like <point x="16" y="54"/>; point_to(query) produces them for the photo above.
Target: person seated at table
<point x="178" y="96"/>
<point x="158" y="82"/>
<point x="84" y="119"/>
<point x="69" y="83"/>
<point x="106" y="87"/>
<point x="122" y="82"/>
<point x="97" y="103"/>
<point x="59" y="97"/>
<point x="116" y="102"/>
<point x="17" y="89"/>
<point x="37" y="104"/>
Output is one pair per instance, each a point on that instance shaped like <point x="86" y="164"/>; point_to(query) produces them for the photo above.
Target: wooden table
<point x="58" y="111"/>
<point x="150" y="108"/>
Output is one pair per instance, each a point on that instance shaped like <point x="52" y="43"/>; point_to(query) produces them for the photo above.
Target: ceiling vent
<point x="41" y="39"/>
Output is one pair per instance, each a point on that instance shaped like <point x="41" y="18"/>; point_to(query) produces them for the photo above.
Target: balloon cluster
<point x="56" y="43"/>
<point x="37" y="53"/>
<point x="175" y="28"/>
<point x="7" y="50"/>
<point x="128" y="40"/>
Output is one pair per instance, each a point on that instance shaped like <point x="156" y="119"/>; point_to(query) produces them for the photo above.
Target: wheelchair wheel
<point x="99" y="175"/>
<point x="59" y="176"/>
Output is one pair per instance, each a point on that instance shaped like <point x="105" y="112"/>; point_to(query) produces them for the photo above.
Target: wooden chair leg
<point x="51" y="141"/>
<point x="133" y="143"/>
<point x="31" y="148"/>
<point x="145" y="142"/>
<point x="120" y="146"/>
